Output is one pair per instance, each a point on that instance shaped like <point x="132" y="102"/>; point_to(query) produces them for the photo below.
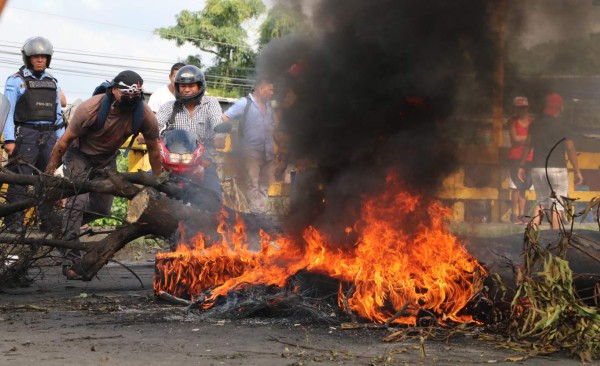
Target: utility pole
<point x="498" y="92"/>
<point x="499" y="14"/>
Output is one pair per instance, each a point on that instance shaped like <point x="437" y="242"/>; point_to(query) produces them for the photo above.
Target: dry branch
<point x="100" y="252"/>
<point x="153" y="212"/>
<point x="111" y="183"/>
<point x="398" y="314"/>
<point x="33" y="240"/>
<point x="173" y="299"/>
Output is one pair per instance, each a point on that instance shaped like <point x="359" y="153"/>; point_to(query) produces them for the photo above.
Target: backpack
<point x="138" y="113"/>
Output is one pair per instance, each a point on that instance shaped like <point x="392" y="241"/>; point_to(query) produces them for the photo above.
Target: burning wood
<point x="396" y="270"/>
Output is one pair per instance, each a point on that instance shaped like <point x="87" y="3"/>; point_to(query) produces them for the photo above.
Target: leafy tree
<point x="280" y="21"/>
<point x="218" y="29"/>
<point x="194" y="60"/>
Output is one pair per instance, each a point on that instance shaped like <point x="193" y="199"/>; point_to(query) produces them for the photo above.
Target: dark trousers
<point x="211" y="193"/>
<point x="86" y="207"/>
<point x="31" y="154"/>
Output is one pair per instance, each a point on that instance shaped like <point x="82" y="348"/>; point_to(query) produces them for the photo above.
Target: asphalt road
<point x="113" y="320"/>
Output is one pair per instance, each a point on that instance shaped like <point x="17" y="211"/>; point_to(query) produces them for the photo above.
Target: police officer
<point x="32" y="126"/>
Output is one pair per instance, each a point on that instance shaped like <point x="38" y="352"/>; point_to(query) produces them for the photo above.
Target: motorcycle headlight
<point x="175" y="158"/>
<point x="187" y="158"/>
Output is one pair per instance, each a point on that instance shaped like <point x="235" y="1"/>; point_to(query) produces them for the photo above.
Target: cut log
<point x="162" y="215"/>
<point x="150" y="212"/>
<point x="149" y="209"/>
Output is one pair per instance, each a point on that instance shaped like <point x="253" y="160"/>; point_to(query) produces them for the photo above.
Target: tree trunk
<point x="151" y="209"/>
<point x="98" y="254"/>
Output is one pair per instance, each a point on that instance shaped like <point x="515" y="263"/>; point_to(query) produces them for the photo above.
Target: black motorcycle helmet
<point x="188" y="75"/>
<point x="36" y="46"/>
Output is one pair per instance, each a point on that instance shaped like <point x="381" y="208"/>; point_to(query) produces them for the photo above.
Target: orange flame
<point x="403" y="258"/>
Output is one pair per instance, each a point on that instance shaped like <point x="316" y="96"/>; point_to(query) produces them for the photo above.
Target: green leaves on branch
<point x="547" y="313"/>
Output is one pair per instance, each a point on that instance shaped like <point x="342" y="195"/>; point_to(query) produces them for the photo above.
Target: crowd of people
<point x="37" y="140"/>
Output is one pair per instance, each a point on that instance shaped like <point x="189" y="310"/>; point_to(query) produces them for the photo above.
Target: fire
<point x="403" y="258"/>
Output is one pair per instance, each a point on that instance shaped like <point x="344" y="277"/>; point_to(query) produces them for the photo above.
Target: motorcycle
<point x="182" y="153"/>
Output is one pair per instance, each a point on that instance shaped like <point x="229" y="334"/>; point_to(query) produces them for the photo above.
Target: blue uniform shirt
<point x="258" y="132"/>
<point x="15" y="88"/>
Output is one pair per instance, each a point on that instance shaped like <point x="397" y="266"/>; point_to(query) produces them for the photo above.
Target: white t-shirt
<point x="160" y="97"/>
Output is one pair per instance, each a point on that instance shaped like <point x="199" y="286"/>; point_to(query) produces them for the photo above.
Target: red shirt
<point x="516" y="151"/>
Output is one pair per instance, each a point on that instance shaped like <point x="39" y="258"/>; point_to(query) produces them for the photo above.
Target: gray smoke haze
<point x="376" y="82"/>
<point x="384" y="84"/>
<point x="555" y="20"/>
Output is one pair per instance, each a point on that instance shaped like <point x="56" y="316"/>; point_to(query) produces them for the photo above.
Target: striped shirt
<point x="201" y="122"/>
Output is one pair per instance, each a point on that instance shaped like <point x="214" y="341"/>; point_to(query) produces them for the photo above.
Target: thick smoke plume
<point x="375" y="85"/>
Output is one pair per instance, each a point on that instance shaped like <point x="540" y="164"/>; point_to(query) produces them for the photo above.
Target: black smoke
<point x="376" y="86"/>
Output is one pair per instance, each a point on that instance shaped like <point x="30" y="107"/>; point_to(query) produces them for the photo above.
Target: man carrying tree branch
<point x="92" y="141"/>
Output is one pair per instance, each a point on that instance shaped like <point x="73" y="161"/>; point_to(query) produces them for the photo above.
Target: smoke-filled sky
<point x="377" y="84"/>
<point x="556" y="20"/>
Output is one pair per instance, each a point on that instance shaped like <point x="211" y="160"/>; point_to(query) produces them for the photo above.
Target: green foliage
<point x="225" y="92"/>
<point x="280" y="21"/>
<point x="194" y="60"/>
<point x="219" y="30"/>
<point x="548" y="316"/>
<point x="122" y="164"/>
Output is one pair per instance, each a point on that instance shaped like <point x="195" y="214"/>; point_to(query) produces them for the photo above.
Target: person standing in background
<point x="550" y="138"/>
<point x="165" y="93"/>
<point x="257" y="125"/>
<point x="33" y="125"/>
<point x="518" y="127"/>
